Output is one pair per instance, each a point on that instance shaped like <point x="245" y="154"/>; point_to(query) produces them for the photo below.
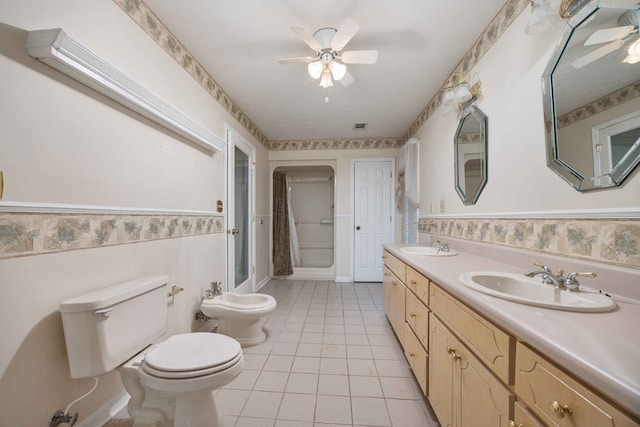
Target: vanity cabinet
<point x="558" y="399"/>
<point x="393" y="292"/>
<point x="463" y="391"/>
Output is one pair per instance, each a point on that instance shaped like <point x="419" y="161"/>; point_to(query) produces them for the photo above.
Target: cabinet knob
<point x="560" y="410"/>
<point x="454" y="355"/>
<point x="413" y="283"/>
<point x="412" y="355"/>
<point x="513" y="424"/>
<point x="412" y="314"/>
<point x="394" y="283"/>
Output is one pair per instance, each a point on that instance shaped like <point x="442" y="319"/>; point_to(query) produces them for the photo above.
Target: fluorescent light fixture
<point x="56" y="49"/>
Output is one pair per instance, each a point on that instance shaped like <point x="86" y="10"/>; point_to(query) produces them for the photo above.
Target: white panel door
<point x="373" y="219"/>
<point x="240" y="205"/>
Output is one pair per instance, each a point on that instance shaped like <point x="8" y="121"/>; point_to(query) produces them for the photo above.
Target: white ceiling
<point x="239" y="43"/>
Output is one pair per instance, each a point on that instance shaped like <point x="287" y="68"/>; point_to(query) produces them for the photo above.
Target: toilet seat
<point x="192" y="355"/>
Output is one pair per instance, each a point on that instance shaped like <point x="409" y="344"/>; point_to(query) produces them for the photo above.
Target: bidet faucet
<point x="216" y="289"/>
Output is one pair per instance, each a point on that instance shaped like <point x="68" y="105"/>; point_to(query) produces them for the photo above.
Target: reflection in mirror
<point x="591" y="91"/>
<point x="470" y="145"/>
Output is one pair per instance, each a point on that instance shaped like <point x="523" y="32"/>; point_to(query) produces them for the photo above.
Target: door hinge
<point x="253" y="269"/>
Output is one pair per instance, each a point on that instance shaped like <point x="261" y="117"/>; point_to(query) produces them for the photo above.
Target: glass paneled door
<point x="240" y="214"/>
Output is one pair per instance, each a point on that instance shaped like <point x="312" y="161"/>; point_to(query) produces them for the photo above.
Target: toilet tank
<point x="105" y="328"/>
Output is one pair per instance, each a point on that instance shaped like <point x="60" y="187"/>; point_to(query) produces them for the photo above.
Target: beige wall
<point x="343" y="160"/>
<point x="64" y="143"/>
<point x="518" y="179"/>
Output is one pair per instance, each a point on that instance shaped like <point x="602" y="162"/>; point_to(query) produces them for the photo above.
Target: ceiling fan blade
<point x="597" y="54"/>
<point x="306" y="37"/>
<point x="347" y="79"/>
<point x="609" y="34"/>
<point x="296" y="60"/>
<point x="347" y="30"/>
<point x="359" y="56"/>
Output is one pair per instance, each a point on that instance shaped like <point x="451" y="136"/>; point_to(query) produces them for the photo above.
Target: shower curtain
<point x="282" y="265"/>
<point x="296" y="257"/>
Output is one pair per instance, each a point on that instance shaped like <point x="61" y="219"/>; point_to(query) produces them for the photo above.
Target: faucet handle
<point x="571" y="283"/>
<point x="542" y="266"/>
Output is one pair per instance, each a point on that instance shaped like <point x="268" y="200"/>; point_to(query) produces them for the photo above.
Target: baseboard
<point x="343" y="279"/>
<point x="106" y="412"/>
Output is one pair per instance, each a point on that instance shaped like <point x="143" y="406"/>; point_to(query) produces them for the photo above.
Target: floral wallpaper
<point x="614" y="99"/>
<point x="498" y="25"/>
<point x="613" y="241"/>
<point x="143" y="16"/>
<point x="35" y="234"/>
<point x="334" y="144"/>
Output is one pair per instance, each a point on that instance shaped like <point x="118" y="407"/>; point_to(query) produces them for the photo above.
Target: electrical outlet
<point x="442" y="209"/>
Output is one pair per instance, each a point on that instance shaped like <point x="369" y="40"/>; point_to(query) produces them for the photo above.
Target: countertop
<point x="600" y="349"/>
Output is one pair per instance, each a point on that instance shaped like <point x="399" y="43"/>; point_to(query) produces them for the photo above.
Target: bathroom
<point x="86" y="185"/>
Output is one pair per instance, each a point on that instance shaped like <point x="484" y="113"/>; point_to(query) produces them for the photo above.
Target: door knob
<point x="234" y="231"/>
<point x="358" y="227"/>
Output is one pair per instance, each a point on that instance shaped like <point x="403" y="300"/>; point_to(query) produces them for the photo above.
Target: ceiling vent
<point x="359" y="126"/>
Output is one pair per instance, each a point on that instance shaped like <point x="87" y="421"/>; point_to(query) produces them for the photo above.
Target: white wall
<point x="64" y="143"/>
<point x="343" y="197"/>
<point x="518" y="179"/>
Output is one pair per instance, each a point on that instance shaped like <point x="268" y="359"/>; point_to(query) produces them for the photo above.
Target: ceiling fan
<point x="329" y="62"/>
<point x="615" y="37"/>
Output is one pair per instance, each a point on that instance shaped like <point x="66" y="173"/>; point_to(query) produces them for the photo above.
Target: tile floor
<point x="330" y="359"/>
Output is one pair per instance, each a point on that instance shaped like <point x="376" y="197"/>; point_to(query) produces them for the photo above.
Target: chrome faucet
<point x="216" y="289"/>
<point x="570" y="283"/>
<point x="442" y="247"/>
<point x="547" y="275"/>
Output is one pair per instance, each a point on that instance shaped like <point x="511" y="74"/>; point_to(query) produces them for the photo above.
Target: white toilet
<point x="240" y="315"/>
<point x="170" y="383"/>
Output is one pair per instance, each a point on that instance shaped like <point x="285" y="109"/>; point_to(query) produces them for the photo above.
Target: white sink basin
<point x="427" y="250"/>
<point x="521" y="289"/>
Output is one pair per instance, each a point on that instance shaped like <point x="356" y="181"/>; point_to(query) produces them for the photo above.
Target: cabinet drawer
<point x="417" y="357"/>
<point x="547" y="390"/>
<point x="490" y="344"/>
<point x="395" y="265"/>
<point x="417" y="316"/>
<point x="523" y="418"/>
<point x="418" y="284"/>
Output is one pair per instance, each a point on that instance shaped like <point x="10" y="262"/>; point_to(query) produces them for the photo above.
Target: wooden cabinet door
<point x="482" y="399"/>
<point x="386" y="290"/>
<point x="441" y="371"/>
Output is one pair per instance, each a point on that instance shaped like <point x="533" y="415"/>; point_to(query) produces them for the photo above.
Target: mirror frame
<point x="561" y="168"/>
<point x="476" y="113"/>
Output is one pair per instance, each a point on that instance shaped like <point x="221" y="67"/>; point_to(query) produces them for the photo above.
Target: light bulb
<point x="542" y="17"/>
<point x="315" y="69"/>
<point x="462" y="93"/>
<point x="338" y="70"/>
<point x="326" y="80"/>
<point x="633" y="53"/>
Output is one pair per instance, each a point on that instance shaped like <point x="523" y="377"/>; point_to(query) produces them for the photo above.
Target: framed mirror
<point x="591" y="91"/>
<point x="470" y="144"/>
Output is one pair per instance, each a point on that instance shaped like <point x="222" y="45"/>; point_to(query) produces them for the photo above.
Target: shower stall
<point x="308" y="193"/>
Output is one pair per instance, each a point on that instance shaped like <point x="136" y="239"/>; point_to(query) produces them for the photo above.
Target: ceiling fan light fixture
<point x="326" y="80"/>
<point x="338" y="70"/>
<point x="633" y="53"/>
<point x="315" y="69"/>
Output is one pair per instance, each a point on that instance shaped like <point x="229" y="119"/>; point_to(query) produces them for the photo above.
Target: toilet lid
<point x="192" y="352"/>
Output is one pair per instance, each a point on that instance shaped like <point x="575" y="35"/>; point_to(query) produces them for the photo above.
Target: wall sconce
<point x="458" y="94"/>
<point x="542" y="17"/>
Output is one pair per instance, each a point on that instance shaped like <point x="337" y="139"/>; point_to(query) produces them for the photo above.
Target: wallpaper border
<point x="43" y="233"/>
<point x="611" y="241"/>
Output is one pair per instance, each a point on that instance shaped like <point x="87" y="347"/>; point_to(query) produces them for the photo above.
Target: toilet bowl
<point x="240" y="315"/>
<point x="172" y="383"/>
